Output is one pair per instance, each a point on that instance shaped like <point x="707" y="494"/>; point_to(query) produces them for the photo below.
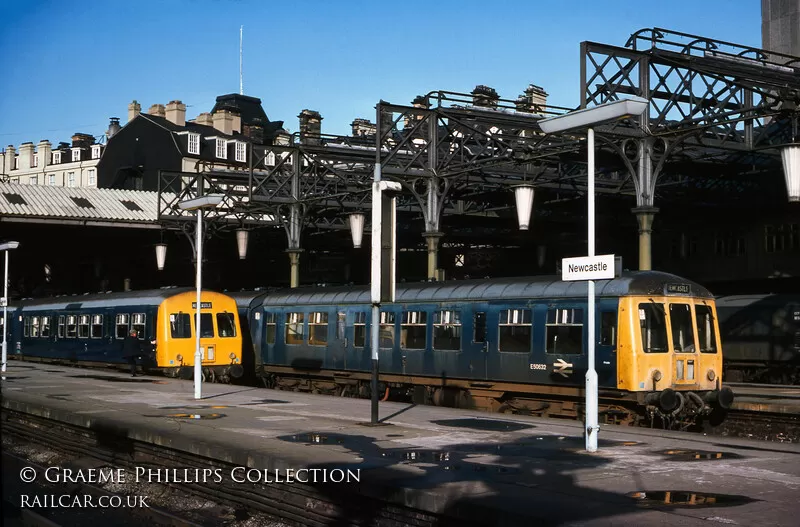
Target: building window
<point x="51" y="179"/>
<point x="95" y="151"/>
<point x="76" y="154"/>
<point x="91" y="177"/>
<point x="33" y="180"/>
<point x="241" y="150"/>
<point x="56" y="158"/>
<point x="71" y="179"/>
<point x="221" y="149"/>
<point x="194" y="144"/>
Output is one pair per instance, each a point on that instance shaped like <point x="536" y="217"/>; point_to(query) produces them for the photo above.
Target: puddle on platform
<point x="314" y="438"/>
<point x="493" y="425"/>
<point x="59" y="396"/>
<point x="418" y="456"/>
<point x="111" y="378"/>
<point x="55" y="371"/>
<point x="193" y="407"/>
<point x="697" y="455"/>
<point x="679" y="498"/>
<point x="264" y="401"/>
<point x="195" y="416"/>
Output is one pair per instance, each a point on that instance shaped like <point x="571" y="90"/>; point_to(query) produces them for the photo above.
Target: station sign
<point x="599" y="267"/>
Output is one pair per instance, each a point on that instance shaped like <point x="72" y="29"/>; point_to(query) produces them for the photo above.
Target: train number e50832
<point x="539" y="366"/>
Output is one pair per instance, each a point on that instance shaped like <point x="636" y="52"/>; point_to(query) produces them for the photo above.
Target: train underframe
<point x="666" y="408"/>
<point x="219" y="373"/>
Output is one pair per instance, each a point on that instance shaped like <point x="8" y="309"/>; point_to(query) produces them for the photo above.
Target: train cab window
<point x="62" y="325"/>
<point x="121" y="331"/>
<point x="479" y="327"/>
<point x="180" y="325"/>
<point x="514" y="330"/>
<point x="45" y="327"/>
<point x="653" y="324"/>
<point x="386" y="331"/>
<point x="564" y="331"/>
<point x="72" y="326"/>
<point x="359" y="329"/>
<point x="225" y="325"/>
<point x="270" y="321"/>
<point x="294" y="328"/>
<point x="206" y="326"/>
<point x="414" y="330"/>
<point x="447" y="330"/>
<point x="97" y="326"/>
<point x="682" y="329"/>
<point x="706" y="335"/>
<point x="137" y="323"/>
<point x="83" y="327"/>
<point x="608" y="328"/>
<point x="317" y="329"/>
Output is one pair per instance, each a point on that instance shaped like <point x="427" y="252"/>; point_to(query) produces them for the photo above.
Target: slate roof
<point x="87" y="205"/>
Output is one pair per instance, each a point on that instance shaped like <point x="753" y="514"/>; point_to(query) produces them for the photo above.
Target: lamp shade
<point x="524" y="196"/>
<point x="791" y="170"/>
<point x="242" y="236"/>
<point x="357" y="228"/>
<point x="161" y="255"/>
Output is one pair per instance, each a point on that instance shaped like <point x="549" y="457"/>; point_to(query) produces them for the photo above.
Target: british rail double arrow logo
<point x="563" y="368"/>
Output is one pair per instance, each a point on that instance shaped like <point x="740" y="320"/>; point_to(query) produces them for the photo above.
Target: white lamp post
<point x="5" y="247"/>
<point x="587" y="118"/>
<point x="198" y="204"/>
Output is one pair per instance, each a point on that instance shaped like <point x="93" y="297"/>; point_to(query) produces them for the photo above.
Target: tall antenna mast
<point x="241" y="84"/>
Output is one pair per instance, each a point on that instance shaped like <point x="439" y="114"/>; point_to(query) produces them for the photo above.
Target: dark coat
<point x="131" y="347"/>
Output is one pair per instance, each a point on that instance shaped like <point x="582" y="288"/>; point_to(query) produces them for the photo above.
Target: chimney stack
<point x="113" y="127"/>
<point x="204" y="119"/>
<point x="310" y="127"/>
<point x="11" y="154"/>
<point x="158" y="110"/>
<point x="484" y="96"/>
<point x="26" y="156"/>
<point x="134" y="109"/>
<point x="45" y="150"/>
<point x="536" y="97"/>
<point x="176" y="113"/>
<point x="362" y="127"/>
<point x="80" y="140"/>
<point x="223" y="121"/>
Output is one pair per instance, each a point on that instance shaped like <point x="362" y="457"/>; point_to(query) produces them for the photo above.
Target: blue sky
<point x="69" y="66"/>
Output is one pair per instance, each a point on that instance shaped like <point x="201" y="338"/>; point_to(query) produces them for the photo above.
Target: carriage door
<point x="565" y="338"/>
<point x="683" y="344"/>
<point x="338" y="348"/>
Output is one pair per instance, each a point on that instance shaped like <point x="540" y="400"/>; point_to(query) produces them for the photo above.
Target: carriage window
<point x="387" y="330"/>
<point x="447" y="330"/>
<point x="564" y="331"/>
<point x="138" y="324"/>
<point x="122" y="325"/>
<point x="97" y="326"/>
<point x="206" y="325"/>
<point x="318" y="329"/>
<point x="72" y="326"/>
<point x="271" y="324"/>
<point x="34" y="326"/>
<point x="514" y="330"/>
<point x="359" y="329"/>
<point x="26" y="329"/>
<point x="294" y="328"/>
<point x="45" y="327"/>
<point x="61" y="326"/>
<point x="83" y="327"/>
<point x="682" y="330"/>
<point x="705" y="329"/>
<point x="479" y="327"/>
<point x="413" y="330"/>
<point x="225" y="325"/>
<point x="180" y="325"/>
<point x="608" y="328"/>
<point x="653" y="324"/>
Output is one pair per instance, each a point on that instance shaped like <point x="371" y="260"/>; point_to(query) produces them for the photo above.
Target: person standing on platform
<point x="132" y="348"/>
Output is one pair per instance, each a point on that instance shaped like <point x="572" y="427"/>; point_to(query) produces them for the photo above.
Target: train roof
<point x="127" y="298"/>
<point x="629" y="283"/>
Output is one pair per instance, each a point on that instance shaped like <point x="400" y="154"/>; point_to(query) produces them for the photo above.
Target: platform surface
<point x="486" y="467"/>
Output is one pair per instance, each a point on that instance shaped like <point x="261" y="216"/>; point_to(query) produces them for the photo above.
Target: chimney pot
<point x="176" y="113"/>
<point x="134" y="109"/>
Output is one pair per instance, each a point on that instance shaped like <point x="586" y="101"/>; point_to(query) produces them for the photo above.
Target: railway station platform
<point x="423" y="465"/>
<point x="777" y="399"/>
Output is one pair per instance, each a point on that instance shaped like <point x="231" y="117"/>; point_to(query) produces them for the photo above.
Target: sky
<point x="69" y="66"/>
